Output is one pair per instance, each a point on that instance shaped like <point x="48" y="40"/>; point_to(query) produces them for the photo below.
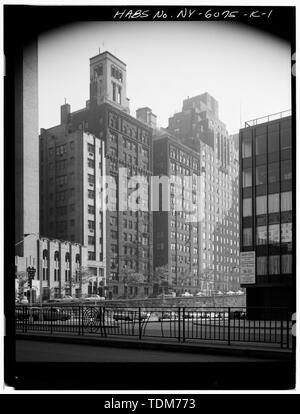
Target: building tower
<point x="198" y="126"/>
<point x="108" y="81"/>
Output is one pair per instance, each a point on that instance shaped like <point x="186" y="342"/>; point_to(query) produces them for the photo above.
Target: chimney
<point x="64" y="113"/>
<point x="146" y="115"/>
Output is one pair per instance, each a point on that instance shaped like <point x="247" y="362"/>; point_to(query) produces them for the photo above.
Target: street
<point x="35" y="351"/>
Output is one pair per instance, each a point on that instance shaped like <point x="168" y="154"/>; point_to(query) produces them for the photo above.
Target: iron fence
<point x="228" y="325"/>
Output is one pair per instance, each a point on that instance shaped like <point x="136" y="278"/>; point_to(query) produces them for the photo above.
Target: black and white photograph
<point x="150" y="199"/>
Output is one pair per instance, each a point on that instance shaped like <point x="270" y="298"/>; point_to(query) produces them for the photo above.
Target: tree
<point x="22" y="279"/>
<point x="78" y="280"/>
<point x="85" y="276"/>
<point x="161" y="278"/>
<point x="130" y="277"/>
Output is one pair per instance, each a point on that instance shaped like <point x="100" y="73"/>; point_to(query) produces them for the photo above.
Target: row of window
<point x="274" y="234"/>
<point x="271" y="264"/>
<point x="264" y="144"/>
<point x="272" y="174"/>
<point x="184" y="158"/>
<point x="268" y="204"/>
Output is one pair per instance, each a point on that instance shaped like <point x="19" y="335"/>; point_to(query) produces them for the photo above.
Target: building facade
<point x="125" y="144"/>
<point x="61" y="270"/>
<point x="176" y="228"/>
<point x="198" y="126"/>
<point x="267" y="216"/>
<point x="71" y="178"/>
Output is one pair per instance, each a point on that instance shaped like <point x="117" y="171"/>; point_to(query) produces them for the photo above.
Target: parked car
<point x="67" y="299"/>
<point x="168" y="316"/>
<point x="55" y="314"/>
<point x="23" y="301"/>
<point x="187" y="294"/>
<point x="27" y="312"/>
<point x="129" y="315"/>
<point x="94" y="298"/>
<point x="238" y="314"/>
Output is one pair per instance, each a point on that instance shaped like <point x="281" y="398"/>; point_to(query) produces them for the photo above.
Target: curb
<point x="162" y="346"/>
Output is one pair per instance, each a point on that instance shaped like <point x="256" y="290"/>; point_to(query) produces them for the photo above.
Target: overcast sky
<point x="246" y="70"/>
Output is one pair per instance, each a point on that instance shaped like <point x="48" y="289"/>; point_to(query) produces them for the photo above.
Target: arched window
<point x="45" y="264"/>
<point x="67" y="267"/>
<point x="56" y="266"/>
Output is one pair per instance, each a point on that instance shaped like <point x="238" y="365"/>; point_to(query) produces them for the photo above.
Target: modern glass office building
<point x="266" y="210"/>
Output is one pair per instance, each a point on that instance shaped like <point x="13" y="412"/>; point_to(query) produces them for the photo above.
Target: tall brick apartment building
<point x="95" y="141"/>
<point x="198" y="127"/>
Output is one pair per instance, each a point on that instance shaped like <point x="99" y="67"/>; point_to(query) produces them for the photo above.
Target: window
<point x="91" y="240"/>
<point x="114" y="234"/>
<point x="286" y="263"/>
<point x="91" y="224"/>
<point x="91" y="148"/>
<point x="286" y="232"/>
<point x="113" y="221"/>
<point x="91" y="209"/>
<point x="273" y="138"/>
<point x="247" y="207"/>
<point x="261" y="264"/>
<point x="114" y="86"/>
<point x="247" y="177"/>
<point x="286" y="201"/>
<point x="273" y="206"/>
<point x="91" y="256"/>
<point x="261" y="235"/>
<point x="286" y="170"/>
<point x="273" y="172"/>
<point x="274" y="234"/>
<point x="247" y="237"/>
<point x="246" y="147"/>
<point x="285" y="139"/>
<point x="90" y="163"/>
<point x="61" y="149"/>
<point x="119" y="98"/>
<point x="261" y="205"/>
<point x="91" y="178"/>
<point x="261" y="144"/>
<point x="274" y="265"/>
<point x="261" y="174"/>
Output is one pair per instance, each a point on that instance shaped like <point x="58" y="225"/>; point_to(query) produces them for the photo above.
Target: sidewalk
<point x="238" y="349"/>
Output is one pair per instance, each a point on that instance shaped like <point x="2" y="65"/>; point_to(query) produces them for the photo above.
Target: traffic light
<point x="31" y="272"/>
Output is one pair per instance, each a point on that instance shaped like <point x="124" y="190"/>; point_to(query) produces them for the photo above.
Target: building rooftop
<point x="268" y="118"/>
<point x="108" y="53"/>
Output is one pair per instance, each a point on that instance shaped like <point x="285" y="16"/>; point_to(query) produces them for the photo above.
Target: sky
<point x="245" y="69"/>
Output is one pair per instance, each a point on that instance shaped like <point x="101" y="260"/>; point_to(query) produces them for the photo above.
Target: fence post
<point x="140" y="328"/>
<point x="23" y="319"/>
<point x="229" y="326"/>
<point x="287" y="329"/>
<point x="79" y="319"/>
<point x="281" y="331"/>
<point x="179" y="325"/>
<point x="183" y="324"/>
<point x="51" y="316"/>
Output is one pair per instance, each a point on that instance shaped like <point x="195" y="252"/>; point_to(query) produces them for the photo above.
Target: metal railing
<point x="268" y="118"/>
<point x="227" y="325"/>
